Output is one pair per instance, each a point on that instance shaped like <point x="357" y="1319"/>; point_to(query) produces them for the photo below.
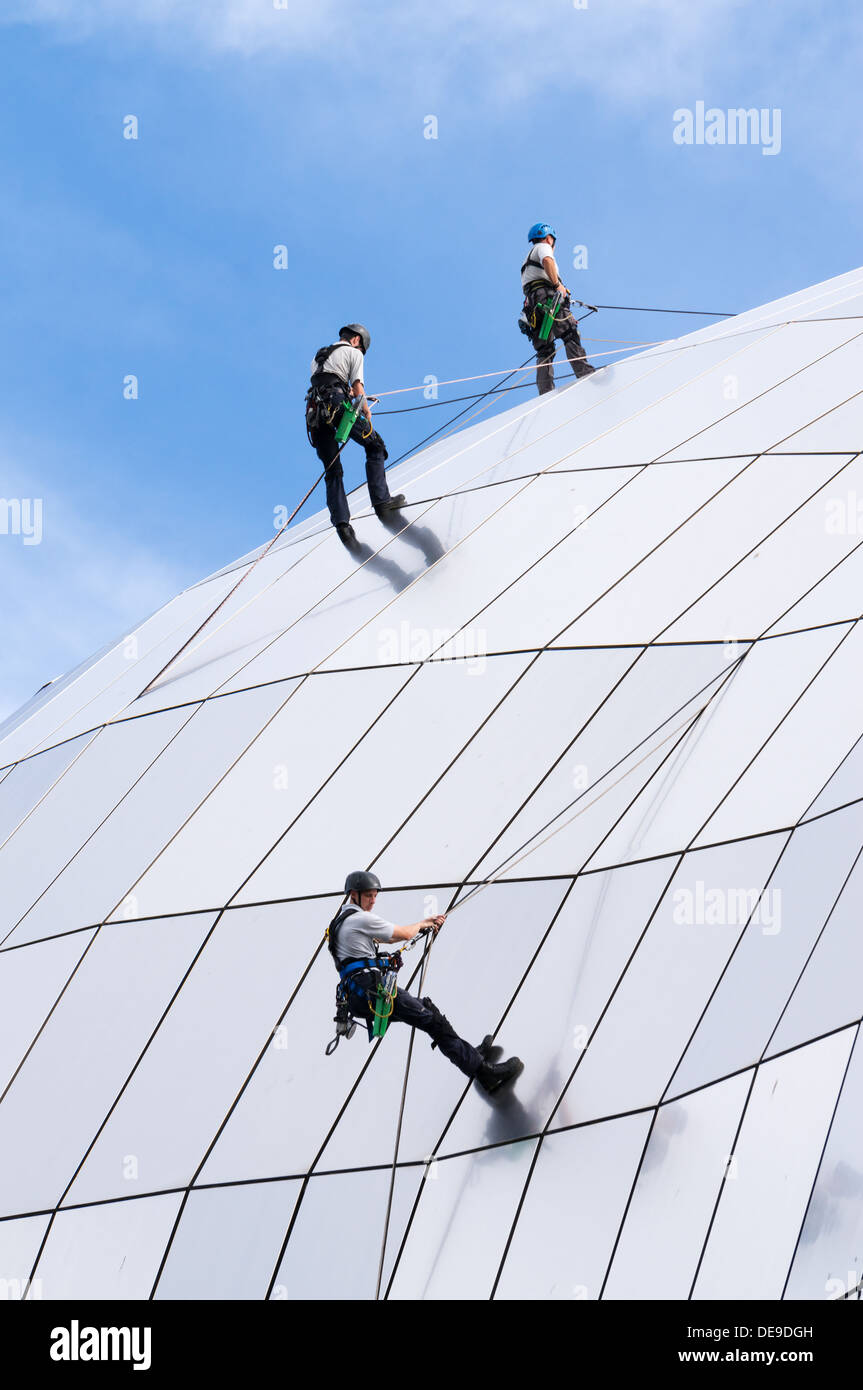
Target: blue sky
<point x="304" y="126"/>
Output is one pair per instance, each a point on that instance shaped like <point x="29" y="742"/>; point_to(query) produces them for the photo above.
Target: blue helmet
<point x="539" y="230"/>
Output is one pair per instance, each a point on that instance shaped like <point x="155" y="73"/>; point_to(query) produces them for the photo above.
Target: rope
<point x="520" y="386"/>
<point x="168" y="664"/>
<point x="494" y="390"/>
<point x="657" y="342"/>
<point x="638" y="309"/>
<point x="426" y="954"/>
<point x="487" y="395"/>
<point x="486" y="883"/>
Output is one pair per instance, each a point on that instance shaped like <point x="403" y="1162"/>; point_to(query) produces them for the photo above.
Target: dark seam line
<point x="422" y="1162"/>
<point x="727" y="966"/>
<point x="451" y="764"/>
<point x="739" y="778"/>
<point x="768" y="634"/>
<point x="664" y="1093"/>
<point x="819" y="1166"/>
<point x="120" y="1093"/>
<point x="56" y="782"/>
<point x="722" y="1182"/>
<point x="628" y="1203"/>
<point x="545" y="650"/>
<point x="281" y="1255"/>
<point x="552" y="472"/>
<point x="464" y="1093"/>
<point x="518" y="492"/>
<point x="378" y="717"/>
<point x="466" y="883"/>
<point x="212" y="791"/>
<point x="752" y="550"/>
<point x="232" y="1107"/>
<point x="44" y="1024"/>
<point x="621" y="976"/>
<point x="93" y="833"/>
<point x="350" y="576"/>
<point x="769" y="879"/>
<point x="558" y="472"/>
<point x="648" y="359"/>
<point x="792" y="706"/>
<point x="540" y="559"/>
<point x="721" y="676"/>
<point x="685" y="734"/>
<point x="597" y="1025"/>
<point x="220" y="694"/>
<point x="567" y="1084"/>
<point x="812" y="951"/>
<point x="652" y="551"/>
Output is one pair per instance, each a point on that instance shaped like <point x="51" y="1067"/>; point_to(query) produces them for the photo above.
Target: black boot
<point x="347" y="534"/>
<point x="488" y="1050"/>
<point x="493" y="1075"/>
<point x="392" y="504"/>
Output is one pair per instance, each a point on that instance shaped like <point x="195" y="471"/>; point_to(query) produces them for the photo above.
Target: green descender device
<point x="348" y="418"/>
<point x="550" y="309"/>
<point x="383" y="1003"/>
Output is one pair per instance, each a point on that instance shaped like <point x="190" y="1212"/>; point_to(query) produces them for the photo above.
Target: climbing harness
<point x="327" y="400"/>
<point x="377" y="992"/>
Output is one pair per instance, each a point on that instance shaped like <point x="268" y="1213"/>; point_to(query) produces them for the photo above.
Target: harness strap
<point x="371" y="963"/>
<point x="538" y="265"/>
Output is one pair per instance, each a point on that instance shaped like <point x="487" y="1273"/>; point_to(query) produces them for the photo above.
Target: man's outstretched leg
<point x="425" y="1015"/>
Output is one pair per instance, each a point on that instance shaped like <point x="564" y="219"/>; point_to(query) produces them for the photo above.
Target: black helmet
<point x="360" y="881"/>
<point x="357" y="330"/>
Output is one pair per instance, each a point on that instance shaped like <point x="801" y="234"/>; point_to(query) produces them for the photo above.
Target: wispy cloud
<point x="484" y="57"/>
<point x="628" y="49"/>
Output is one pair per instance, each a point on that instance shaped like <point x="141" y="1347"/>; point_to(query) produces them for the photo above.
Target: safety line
<point x="508" y="371"/>
<point x="423" y="967"/>
<point x="701" y="313"/>
<point x="679" y="345"/>
<point x="283" y="528"/>
<point x="689" y="849"/>
<point x="231" y="592"/>
<point x="689" y="723"/>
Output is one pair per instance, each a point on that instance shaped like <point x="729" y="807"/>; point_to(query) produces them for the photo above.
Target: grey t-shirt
<point x="533" y="270"/>
<point x="358" y="932"/>
<point x="346" y="363"/>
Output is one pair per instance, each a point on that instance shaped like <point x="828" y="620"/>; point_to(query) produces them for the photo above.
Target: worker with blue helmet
<point x="545" y="292"/>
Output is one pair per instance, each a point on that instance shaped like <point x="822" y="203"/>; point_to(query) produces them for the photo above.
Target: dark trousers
<point x="425" y="1015"/>
<point x="323" y="437"/>
<point x="564" y="329"/>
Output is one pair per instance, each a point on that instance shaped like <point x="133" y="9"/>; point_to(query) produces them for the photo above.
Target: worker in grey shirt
<point x="354" y="936"/>
<point x="337" y="377"/>
<point x="540" y="280"/>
